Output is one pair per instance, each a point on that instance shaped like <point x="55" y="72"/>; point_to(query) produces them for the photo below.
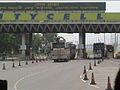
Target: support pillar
<point x="81" y="44"/>
<point x="23" y="46"/>
<point x="30" y="43"/>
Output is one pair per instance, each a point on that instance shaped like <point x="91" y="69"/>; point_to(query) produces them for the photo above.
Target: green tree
<point x="42" y="41"/>
<point x="37" y="41"/>
<point x="49" y="37"/>
<point x="9" y="42"/>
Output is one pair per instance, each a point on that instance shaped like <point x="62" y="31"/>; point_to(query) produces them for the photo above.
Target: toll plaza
<point x="58" y="17"/>
<point x="78" y="17"/>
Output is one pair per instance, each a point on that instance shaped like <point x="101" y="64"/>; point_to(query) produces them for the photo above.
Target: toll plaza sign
<point x="40" y="6"/>
<point x="59" y="16"/>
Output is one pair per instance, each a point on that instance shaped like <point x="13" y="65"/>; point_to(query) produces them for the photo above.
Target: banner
<point x="40" y="6"/>
<point x="59" y="16"/>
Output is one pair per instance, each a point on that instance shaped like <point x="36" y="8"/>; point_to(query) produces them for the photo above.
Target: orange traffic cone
<point x="85" y="77"/>
<point x="90" y="67"/>
<point x="19" y="63"/>
<point x="4" y="66"/>
<point x="109" y="84"/>
<point x="84" y="69"/>
<point x="95" y="63"/>
<point x="92" y="80"/>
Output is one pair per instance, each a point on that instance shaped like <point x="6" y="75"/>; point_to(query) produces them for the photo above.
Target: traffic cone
<point x="92" y="80"/>
<point x="13" y="65"/>
<point x="98" y="62"/>
<point x="19" y="63"/>
<point x="26" y="62"/>
<point x="85" y="77"/>
<point x="84" y="69"/>
<point x="90" y="67"/>
<point x="95" y="63"/>
<point x="36" y="61"/>
<point x="102" y="59"/>
<point x="32" y="61"/>
<point x="109" y="84"/>
<point x="4" y="66"/>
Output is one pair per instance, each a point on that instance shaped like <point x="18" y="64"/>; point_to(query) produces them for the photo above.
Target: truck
<point x="110" y="51"/>
<point x="99" y="50"/>
<point x="62" y="51"/>
<point x="117" y="52"/>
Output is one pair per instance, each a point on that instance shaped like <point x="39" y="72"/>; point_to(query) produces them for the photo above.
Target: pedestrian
<point x="117" y="81"/>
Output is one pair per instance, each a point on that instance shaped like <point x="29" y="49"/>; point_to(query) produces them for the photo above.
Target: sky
<point x="111" y="6"/>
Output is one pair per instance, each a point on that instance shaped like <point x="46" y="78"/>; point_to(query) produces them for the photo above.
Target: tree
<point x="40" y="41"/>
<point x="9" y="42"/>
<point x="49" y="37"/>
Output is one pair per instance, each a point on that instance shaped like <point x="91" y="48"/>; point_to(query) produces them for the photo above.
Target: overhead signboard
<point x="58" y="17"/>
<point x="38" y="6"/>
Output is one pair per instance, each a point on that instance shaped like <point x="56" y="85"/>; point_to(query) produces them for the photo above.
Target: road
<point x="47" y="75"/>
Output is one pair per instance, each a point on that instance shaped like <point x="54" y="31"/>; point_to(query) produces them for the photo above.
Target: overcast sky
<point x="111" y="6"/>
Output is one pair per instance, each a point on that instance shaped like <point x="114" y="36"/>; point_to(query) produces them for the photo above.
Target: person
<point x="117" y="81"/>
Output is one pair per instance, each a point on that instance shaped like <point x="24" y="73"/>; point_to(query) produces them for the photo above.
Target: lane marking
<point x="82" y="78"/>
<point x="15" y="85"/>
<point x="95" y="86"/>
<point x="84" y="81"/>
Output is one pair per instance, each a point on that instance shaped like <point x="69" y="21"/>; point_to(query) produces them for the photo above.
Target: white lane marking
<point x="80" y="76"/>
<point x="95" y="86"/>
<point x="83" y="80"/>
<point x="15" y="86"/>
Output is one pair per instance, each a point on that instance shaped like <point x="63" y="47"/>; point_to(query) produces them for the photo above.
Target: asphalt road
<point x="48" y="75"/>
